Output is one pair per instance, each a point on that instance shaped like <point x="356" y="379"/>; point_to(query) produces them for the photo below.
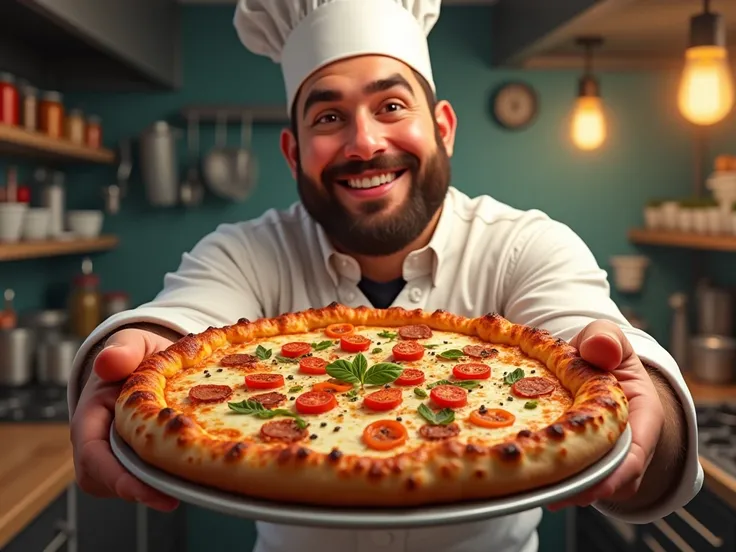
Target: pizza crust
<point x="430" y="473"/>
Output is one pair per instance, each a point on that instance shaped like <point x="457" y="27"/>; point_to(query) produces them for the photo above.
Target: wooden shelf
<point x="686" y="240"/>
<point x="18" y="141"/>
<point x="38" y="249"/>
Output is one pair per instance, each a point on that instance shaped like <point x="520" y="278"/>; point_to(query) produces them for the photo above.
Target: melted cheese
<point x="350" y="415"/>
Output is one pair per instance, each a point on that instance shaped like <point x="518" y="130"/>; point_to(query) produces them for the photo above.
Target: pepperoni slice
<point x="285" y="430"/>
<point x="312" y="365"/>
<point x="492" y="417"/>
<point x="210" y="393"/>
<point x="471" y="371"/>
<point x="382" y="400"/>
<point x="315" y="402"/>
<point x="415" y="331"/>
<point x="408" y="350"/>
<point x="449" y="396"/>
<point x="439" y="432"/>
<point x="238" y="359"/>
<point x="269" y="400"/>
<point x="264" y="381"/>
<point x="339" y="330"/>
<point x="384" y="434"/>
<point x="295" y="349"/>
<point x="410" y="376"/>
<point x="354" y="343"/>
<point x="533" y="387"/>
<point x="480" y="351"/>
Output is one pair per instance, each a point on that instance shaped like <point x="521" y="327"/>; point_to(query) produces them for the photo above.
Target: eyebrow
<point x="325" y="95"/>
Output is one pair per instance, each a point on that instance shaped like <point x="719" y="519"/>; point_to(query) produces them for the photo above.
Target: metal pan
<point x="365" y="518"/>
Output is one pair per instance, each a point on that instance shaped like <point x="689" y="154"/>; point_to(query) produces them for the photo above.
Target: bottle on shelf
<point x="85" y="302"/>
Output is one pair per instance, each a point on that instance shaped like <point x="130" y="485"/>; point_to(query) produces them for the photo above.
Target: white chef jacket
<point x="484" y="256"/>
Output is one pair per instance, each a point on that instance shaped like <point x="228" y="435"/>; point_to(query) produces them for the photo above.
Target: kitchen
<point x="189" y="70"/>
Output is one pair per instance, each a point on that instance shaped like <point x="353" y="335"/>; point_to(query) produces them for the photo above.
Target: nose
<point x="364" y="139"/>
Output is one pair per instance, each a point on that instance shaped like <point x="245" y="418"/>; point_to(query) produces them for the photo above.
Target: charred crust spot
<point x="134" y="381"/>
<point x="333" y="305"/>
<point x="524" y="434"/>
<point x="508" y="452"/>
<point x="302" y="453"/>
<point x="178" y="423"/>
<point x="236" y="452"/>
<point x="166" y="413"/>
<point x="138" y="397"/>
<point x="190" y="335"/>
<point x="578" y="420"/>
<point x="243" y="321"/>
<point x="556" y="431"/>
<point x="479" y="474"/>
<point x="411" y="484"/>
<point x="285" y="455"/>
<point x="376" y="470"/>
<point x="334" y="455"/>
<point x="608" y="402"/>
<point x="473" y="449"/>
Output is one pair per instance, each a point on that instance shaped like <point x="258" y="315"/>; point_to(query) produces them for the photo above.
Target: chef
<point x="379" y="224"/>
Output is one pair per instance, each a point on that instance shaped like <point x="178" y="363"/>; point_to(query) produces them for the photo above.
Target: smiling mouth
<point x="373" y="181"/>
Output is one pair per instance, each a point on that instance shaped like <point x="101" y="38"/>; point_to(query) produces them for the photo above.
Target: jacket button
<point x="415" y="294"/>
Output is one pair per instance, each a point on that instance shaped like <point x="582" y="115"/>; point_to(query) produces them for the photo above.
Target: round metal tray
<point x="366" y="518"/>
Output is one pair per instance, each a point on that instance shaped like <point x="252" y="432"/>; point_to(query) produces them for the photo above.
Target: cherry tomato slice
<point x="264" y="381"/>
<point x="313" y="365"/>
<point x="410" y="376"/>
<point x="408" y="350"/>
<point x="315" y="402"/>
<point x="332" y="387"/>
<point x="385" y="434"/>
<point x="295" y="349"/>
<point x="339" y="330"/>
<point x="471" y="371"/>
<point x="354" y="343"/>
<point x="450" y="396"/>
<point x="385" y="399"/>
<point x="492" y="417"/>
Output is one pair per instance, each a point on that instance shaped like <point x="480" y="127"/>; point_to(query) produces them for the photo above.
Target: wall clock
<point x="514" y="105"/>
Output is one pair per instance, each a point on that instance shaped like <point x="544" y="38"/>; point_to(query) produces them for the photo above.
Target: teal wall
<point x="600" y="194"/>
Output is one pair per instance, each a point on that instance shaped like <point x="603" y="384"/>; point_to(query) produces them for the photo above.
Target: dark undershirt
<point x="381" y="294"/>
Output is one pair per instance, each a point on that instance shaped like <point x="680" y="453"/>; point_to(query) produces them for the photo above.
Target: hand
<point x="604" y="345"/>
<point x="98" y="471"/>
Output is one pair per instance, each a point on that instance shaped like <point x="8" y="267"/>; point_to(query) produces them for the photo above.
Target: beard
<point x="372" y="232"/>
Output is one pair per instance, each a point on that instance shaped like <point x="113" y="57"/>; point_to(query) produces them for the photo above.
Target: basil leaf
<point x="452" y="354"/>
<point x="466" y="384"/>
<point x="322" y="345"/>
<point x="246" y="406"/>
<point x="388" y="335"/>
<point x="383" y="372"/>
<point x="263" y="353"/>
<point x="530" y="405"/>
<point x="431" y="346"/>
<point x="295" y="388"/>
<point x="445" y="416"/>
<point x="256" y="409"/>
<point x="514" y="376"/>
<point x="439" y="382"/>
<point x="288" y="360"/>
<point x="376" y="350"/>
<point x="343" y="370"/>
<point x="352" y="393"/>
<point x="360" y="365"/>
<point x="419" y="392"/>
<point x="426" y="413"/>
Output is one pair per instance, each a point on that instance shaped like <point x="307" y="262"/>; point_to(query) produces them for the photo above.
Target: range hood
<point x="74" y="45"/>
<point x="637" y="34"/>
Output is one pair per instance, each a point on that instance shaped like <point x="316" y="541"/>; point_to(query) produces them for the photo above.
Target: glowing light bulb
<point x="588" y="123"/>
<point x="706" y="89"/>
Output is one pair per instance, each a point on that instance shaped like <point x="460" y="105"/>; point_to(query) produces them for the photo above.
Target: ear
<point x="289" y="150"/>
<point x="447" y="124"/>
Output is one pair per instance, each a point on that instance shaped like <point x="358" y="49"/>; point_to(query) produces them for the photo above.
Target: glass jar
<point x="85" y="302"/>
<point x="51" y="114"/>
<point x="94" y="132"/>
<point x="74" y="128"/>
<point x="29" y="109"/>
<point x="8" y="100"/>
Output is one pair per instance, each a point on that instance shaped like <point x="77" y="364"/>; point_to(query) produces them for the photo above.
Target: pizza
<point x="341" y="406"/>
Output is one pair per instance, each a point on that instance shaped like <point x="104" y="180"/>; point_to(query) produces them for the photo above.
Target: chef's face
<point x="370" y="148"/>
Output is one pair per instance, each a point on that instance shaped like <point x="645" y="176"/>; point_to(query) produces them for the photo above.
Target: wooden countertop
<point x="35" y="467"/>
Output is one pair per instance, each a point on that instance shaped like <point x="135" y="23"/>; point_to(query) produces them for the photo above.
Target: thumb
<point x="603" y="344"/>
<point x="124" y="351"/>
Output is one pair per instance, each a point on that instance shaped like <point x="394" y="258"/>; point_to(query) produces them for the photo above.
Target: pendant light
<point x="588" y="119"/>
<point x="706" y="92"/>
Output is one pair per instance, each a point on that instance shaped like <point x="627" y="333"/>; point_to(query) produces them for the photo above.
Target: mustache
<point x="348" y="169"/>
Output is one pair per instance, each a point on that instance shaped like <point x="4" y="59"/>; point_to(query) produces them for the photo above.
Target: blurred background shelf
<point x="668" y="238"/>
<point x="35" y="250"/>
<point x="18" y="141"/>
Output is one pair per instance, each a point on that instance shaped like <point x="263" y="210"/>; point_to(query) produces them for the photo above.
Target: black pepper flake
<point x="219" y="369"/>
<point x="353" y="399"/>
<point x="323" y="424"/>
<point x="398" y="418"/>
<point x="387" y="386"/>
<point x="290" y="377"/>
<point x="292" y="398"/>
<point x="206" y="371"/>
<point x="509" y="398"/>
<point x="482" y="408"/>
<point x="534" y="371"/>
<point x="378" y="342"/>
<point x="445" y="342"/>
<point x="313" y="436"/>
<point x="208" y="375"/>
<point x="336" y="429"/>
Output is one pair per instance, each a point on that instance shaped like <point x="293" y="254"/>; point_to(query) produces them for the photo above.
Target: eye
<point x="392" y="107"/>
<point x="326" y="118"/>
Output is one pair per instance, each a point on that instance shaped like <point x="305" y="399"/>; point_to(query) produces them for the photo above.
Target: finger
<point x="124" y="351"/>
<point x="603" y="344"/>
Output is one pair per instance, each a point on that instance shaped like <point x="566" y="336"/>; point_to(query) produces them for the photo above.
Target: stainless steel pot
<point x="159" y="164"/>
<point x="713" y="358"/>
<point x="55" y="358"/>
<point x="16" y="356"/>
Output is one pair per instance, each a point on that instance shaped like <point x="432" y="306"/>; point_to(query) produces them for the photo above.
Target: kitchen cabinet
<point x="74" y="45"/>
<point x="77" y="522"/>
<point x="705" y="524"/>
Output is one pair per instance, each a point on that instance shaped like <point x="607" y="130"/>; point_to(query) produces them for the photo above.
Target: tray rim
<point x="304" y="515"/>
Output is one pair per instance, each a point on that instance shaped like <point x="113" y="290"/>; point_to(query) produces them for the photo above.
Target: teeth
<point x="372" y="182"/>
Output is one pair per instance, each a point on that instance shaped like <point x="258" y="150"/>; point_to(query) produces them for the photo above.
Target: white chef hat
<point x="304" y="35"/>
